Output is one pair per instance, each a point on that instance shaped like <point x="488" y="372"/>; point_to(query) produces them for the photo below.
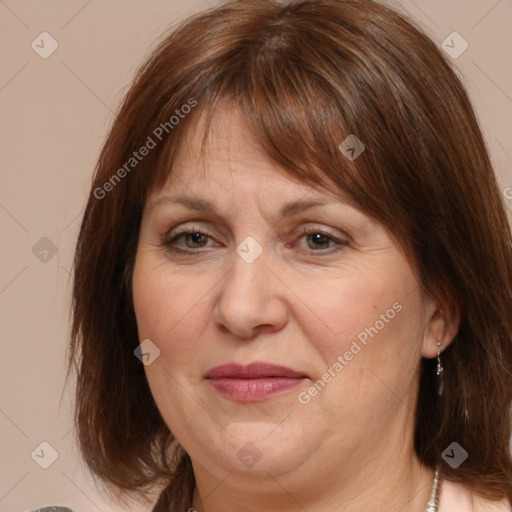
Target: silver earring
<point x="440" y="380"/>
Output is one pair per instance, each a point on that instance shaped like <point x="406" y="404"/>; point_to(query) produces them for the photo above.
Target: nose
<point x="251" y="299"/>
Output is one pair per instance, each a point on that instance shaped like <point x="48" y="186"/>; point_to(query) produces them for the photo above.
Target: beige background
<point x="55" y="113"/>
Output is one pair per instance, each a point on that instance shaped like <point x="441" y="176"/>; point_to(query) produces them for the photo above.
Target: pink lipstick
<point x="254" y="382"/>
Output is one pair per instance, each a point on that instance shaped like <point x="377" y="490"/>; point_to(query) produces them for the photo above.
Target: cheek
<point x="171" y="309"/>
<point x="375" y="328"/>
<point x="368" y="317"/>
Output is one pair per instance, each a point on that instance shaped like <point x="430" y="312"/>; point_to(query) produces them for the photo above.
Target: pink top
<point x="457" y="497"/>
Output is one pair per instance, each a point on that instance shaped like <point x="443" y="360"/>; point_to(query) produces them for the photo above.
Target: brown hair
<point x="306" y="75"/>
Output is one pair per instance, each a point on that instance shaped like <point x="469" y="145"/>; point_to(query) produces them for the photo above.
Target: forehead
<point x="225" y="155"/>
<point x="226" y="144"/>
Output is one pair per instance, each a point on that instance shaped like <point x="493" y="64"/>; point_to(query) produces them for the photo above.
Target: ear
<point x="442" y="321"/>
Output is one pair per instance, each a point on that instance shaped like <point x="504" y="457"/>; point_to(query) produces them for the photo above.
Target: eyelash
<point x="304" y="232"/>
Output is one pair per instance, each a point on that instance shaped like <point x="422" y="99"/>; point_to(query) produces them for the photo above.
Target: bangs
<point x="332" y="113"/>
<point x="285" y="125"/>
<point x="335" y="108"/>
<point x="298" y="119"/>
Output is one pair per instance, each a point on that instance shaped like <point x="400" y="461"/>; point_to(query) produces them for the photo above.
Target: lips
<point x="254" y="382"/>
<point x="252" y="371"/>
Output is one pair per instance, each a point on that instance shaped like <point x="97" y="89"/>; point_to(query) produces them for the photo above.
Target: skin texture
<point x="300" y="304"/>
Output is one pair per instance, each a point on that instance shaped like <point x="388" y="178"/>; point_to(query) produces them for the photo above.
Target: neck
<point x="389" y="485"/>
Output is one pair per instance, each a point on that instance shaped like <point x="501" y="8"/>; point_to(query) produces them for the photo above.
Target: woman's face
<point x="338" y="308"/>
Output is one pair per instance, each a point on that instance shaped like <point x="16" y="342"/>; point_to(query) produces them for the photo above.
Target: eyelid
<point x="343" y="241"/>
<point x="312" y="228"/>
<point x="173" y="234"/>
<point x="302" y="231"/>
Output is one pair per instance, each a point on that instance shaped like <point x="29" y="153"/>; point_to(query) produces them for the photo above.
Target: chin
<point x="260" y="448"/>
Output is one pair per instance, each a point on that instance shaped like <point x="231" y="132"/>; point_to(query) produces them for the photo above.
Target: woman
<point x="293" y="278"/>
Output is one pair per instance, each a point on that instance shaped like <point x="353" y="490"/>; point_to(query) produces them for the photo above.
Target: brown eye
<point x="196" y="239"/>
<point x="318" y="241"/>
<point x="193" y="239"/>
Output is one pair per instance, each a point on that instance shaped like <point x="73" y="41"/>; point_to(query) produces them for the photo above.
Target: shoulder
<point x="459" y="497"/>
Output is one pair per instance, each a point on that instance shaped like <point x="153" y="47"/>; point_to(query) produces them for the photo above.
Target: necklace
<point x="433" y="502"/>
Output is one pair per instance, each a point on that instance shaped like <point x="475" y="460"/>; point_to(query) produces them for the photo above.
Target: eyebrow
<point x="202" y="205"/>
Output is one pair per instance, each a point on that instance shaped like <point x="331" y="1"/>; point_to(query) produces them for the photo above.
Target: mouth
<point x="254" y="382"/>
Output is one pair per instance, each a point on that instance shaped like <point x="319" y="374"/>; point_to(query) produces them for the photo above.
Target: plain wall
<point x="55" y="114"/>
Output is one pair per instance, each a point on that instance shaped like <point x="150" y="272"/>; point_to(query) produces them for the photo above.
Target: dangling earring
<point x="440" y="380"/>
